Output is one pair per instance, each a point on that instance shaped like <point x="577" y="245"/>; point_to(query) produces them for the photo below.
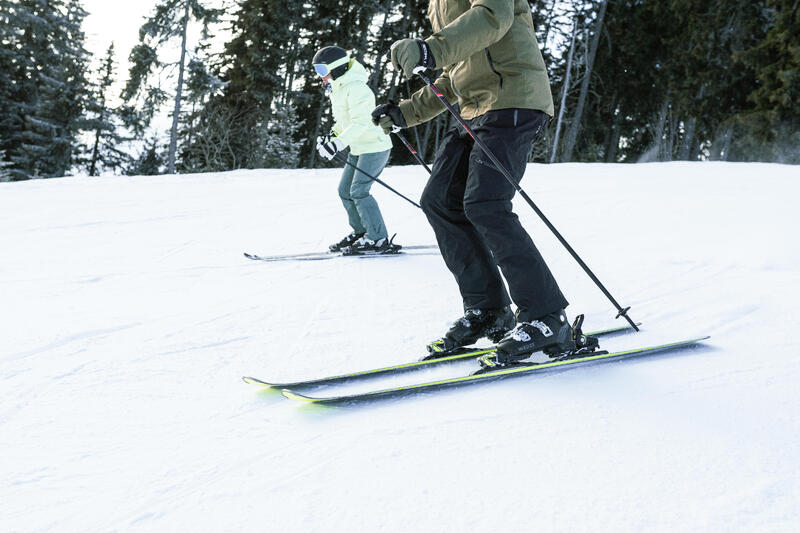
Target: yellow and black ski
<point x="508" y="371"/>
<point x="404" y="367"/>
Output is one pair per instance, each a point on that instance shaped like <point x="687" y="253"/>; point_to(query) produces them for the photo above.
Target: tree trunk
<point x="173" y="136"/>
<point x="691" y="126"/>
<point x="572" y="134"/>
<point x="96" y="148"/>
<point x="726" y="145"/>
<point x="613" y="143"/>
<point x="313" y="158"/>
<point x="563" y="107"/>
<point x="393" y="86"/>
<point x="658" y="131"/>
<point x="688" y="139"/>
<point x="612" y="133"/>
<point x="382" y="59"/>
<point x="290" y="73"/>
<point x="669" y="152"/>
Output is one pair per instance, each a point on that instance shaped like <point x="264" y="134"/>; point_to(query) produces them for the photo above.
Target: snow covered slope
<point x="128" y="316"/>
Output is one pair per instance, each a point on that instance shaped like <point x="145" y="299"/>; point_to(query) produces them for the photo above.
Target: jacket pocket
<point x="491" y="66"/>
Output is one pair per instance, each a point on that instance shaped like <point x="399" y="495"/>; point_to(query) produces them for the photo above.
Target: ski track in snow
<point x="129" y="316"/>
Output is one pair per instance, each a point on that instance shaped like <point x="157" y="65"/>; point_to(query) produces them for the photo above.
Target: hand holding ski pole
<point x="409" y="55"/>
<point x="328" y="146"/>
<point x="390" y="119"/>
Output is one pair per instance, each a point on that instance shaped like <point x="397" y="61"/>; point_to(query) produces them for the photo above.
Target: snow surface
<point x="129" y="316"/>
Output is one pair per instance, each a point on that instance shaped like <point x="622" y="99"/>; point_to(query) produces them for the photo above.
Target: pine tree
<point x="280" y="149"/>
<point x="590" y="55"/>
<point x="104" y="122"/>
<point x="260" y="65"/>
<point x="775" y="117"/>
<point x="14" y="71"/>
<point x="201" y="87"/>
<point x="5" y="175"/>
<point x="46" y="88"/>
<point x="150" y="161"/>
<point x="169" y="21"/>
<point x="9" y="58"/>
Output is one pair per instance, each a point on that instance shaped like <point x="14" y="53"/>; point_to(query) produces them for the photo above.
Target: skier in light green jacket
<point x="345" y="82"/>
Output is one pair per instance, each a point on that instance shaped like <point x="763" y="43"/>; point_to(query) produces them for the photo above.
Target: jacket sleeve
<point x="484" y="23"/>
<point x="424" y="105"/>
<point x="360" y="103"/>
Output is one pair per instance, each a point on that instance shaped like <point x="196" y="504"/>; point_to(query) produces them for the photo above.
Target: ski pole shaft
<point x="396" y="131"/>
<point x="622" y="312"/>
<point x="373" y="178"/>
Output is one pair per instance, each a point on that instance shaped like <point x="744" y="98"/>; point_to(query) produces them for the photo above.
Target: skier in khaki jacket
<point x="492" y="67"/>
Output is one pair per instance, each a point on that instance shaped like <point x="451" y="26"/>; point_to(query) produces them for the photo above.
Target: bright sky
<point x="114" y="21"/>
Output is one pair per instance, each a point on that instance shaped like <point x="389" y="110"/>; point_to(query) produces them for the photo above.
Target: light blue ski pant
<point x="362" y="209"/>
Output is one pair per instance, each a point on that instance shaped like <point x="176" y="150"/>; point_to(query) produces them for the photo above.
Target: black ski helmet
<point x="334" y="58"/>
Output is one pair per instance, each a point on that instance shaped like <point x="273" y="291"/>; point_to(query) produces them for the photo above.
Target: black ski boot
<point x="551" y="334"/>
<point x="364" y="246"/>
<point x="347" y="241"/>
<point x="474" y="325"/>
<point x="344" y="243"/>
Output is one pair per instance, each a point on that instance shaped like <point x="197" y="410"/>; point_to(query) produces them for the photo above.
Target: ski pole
<point x="622" y="312"/>
<point x="344" y="160"/>
<point x="396" y="130"/>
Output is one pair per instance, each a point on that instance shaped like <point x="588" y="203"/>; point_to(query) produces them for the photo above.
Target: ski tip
<point x="254" y="381"/>
<point x="297" y="397"/>
<point x="695" y="340"/>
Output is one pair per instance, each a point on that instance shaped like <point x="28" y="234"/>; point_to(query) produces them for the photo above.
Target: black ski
<point x="484" y="376"/>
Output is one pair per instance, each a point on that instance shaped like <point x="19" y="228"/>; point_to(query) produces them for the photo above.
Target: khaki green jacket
<point x="490" y="60"/>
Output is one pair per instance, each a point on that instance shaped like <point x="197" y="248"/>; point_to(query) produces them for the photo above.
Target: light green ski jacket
<point x="352" y="102"/>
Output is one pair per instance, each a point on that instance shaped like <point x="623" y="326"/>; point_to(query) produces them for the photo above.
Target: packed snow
<point x="129" y="316"/>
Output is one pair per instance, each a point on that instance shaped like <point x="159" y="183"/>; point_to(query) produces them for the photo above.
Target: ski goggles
<point x="323" y="70"/>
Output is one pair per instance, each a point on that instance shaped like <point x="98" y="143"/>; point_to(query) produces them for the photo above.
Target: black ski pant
<point x="468" y="202"/>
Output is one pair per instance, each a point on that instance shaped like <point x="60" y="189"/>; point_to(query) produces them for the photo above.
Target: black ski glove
<point x="408" y="54"/>
<point x="387" y="116"/>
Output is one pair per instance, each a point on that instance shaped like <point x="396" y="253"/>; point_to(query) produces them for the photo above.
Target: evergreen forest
<point x="632" y="81"/>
